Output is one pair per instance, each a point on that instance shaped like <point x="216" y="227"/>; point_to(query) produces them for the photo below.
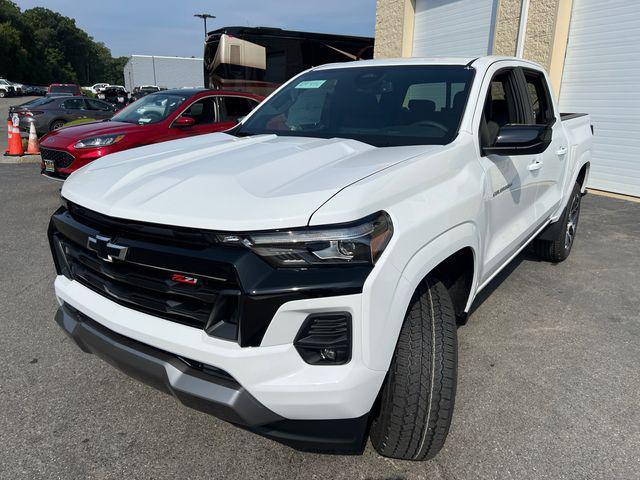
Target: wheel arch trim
<point x="378" y="354"/>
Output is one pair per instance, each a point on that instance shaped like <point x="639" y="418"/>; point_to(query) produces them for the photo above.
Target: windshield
<point x="63" y="89"/>
<point x="38" y="102"/>
<point x="150" y="109"/>
<point x="381" y="106"/>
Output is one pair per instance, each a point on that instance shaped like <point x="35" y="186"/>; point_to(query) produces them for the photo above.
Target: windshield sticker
<point x="311" y="84"/>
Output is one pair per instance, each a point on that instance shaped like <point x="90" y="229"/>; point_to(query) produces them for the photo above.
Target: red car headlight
<point x="101" y="141"/>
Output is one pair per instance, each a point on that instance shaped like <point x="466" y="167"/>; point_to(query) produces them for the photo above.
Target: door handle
<point x="561" y="151"/>
<point x="537" y="165"/>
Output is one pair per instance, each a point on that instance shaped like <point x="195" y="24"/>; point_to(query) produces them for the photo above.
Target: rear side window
<point x="73" y="104"/>
<point x="237" y="107"/>
<point x="539" y="100"/>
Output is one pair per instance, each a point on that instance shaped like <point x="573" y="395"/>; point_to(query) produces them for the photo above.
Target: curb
<point x="23" y="159"/>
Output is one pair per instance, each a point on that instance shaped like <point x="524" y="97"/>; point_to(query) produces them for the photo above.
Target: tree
<point x="41" y="46"/>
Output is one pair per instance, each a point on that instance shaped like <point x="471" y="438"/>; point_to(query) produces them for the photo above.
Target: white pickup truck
<point x="303" y="275"/>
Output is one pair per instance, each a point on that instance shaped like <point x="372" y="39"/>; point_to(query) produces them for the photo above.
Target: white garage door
<point x="452" y="28"/>
<point x="602" y="77"/>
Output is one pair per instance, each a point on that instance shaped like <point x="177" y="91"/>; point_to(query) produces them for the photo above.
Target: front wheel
<point x="558" y="249"/>
<point x="2" y="94"/>
<point x="418" y="394"/>
<point x="56" y="124"/>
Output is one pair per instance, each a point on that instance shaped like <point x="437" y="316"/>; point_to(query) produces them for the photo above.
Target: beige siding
<point x="506" y="31"/>
<point x="394" y="28"/>
<point x="541" y="23"/>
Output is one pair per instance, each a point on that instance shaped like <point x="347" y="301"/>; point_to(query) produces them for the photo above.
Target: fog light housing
<point x="325" y="339"/>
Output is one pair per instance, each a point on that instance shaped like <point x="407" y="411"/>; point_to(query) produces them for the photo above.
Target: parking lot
<point x="548" y="377"/>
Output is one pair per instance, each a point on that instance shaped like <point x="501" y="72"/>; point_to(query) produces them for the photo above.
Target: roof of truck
<point x="478" y="62"/>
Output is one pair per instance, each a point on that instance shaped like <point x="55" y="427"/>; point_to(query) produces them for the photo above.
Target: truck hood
<point x="220" y="182"/>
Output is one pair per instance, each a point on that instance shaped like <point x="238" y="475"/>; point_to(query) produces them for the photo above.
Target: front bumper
<point x="207" y="389"/>
<point x="217" y="393"/>
<point x="273" y="373"/>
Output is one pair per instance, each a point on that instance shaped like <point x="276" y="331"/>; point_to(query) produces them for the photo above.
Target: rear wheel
<point x="2" y="94"/>
<point x="559" y="248"/>
<point x="418" y="395"/>
<point x="56" y="124"/>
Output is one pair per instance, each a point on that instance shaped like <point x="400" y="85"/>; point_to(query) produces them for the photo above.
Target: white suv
<point x="7" y="89"/>
<point x="303" y="275"/>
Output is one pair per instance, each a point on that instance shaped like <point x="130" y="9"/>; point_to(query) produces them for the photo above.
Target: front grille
<point x="143" y="288"/>
<point x="177" y="236"/>
<point x="60" y="159"/>
<point x="153" y="277"/>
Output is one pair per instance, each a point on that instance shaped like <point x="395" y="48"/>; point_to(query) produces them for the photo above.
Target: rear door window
<point x="73" y="104"/>
<point x="236" y="107"/>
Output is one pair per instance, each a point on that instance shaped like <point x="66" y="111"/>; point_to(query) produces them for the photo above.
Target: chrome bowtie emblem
<point x="105" y="249"/>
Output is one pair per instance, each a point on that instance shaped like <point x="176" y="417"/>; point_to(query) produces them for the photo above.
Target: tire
<point x="417" y="398"/>
<point x="56" y="124"/>
<point x="559" y="248"/>
<point x="2" y="94"/>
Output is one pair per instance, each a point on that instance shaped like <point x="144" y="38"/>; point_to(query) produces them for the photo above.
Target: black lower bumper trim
<point x="208" y="390"/>
<point x="213" y="394"/>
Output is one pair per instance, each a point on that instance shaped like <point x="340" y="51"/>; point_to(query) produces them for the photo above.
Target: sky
<point x="162" y="27"/>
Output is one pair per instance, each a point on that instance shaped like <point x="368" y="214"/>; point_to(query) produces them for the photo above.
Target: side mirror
<point x="520" y="140"/>
<point x="183" y="122"/>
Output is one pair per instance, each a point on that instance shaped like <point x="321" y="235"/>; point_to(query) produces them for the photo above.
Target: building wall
<point x="541" y="22"/>
<point x="394" y="28"/>
<point x="505" y="37"/>
<point x="546" y="32"/>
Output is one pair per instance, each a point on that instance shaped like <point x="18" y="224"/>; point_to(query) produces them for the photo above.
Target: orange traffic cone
<point x="34" y="147"/>
<point x="15" y="147"/>
<point x="9" y="131"/>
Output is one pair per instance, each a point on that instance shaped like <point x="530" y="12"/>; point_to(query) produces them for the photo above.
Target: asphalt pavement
<point x="548" y="387"/>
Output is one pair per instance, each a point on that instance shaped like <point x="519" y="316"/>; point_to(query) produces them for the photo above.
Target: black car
<point x="35" y="90"/>
<point x="116" y="96"/>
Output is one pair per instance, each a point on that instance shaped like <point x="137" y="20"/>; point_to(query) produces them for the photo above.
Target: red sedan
<point x="162" y="116"/>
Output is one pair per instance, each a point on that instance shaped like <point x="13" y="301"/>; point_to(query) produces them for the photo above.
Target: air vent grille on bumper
<point x="325" y="339"/>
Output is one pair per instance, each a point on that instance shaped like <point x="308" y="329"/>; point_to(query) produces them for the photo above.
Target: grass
<point x="80" y="121"/>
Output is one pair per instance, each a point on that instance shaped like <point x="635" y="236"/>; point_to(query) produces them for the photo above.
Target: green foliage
<point x="40" y="46"/>
<point x="80" y="121"/>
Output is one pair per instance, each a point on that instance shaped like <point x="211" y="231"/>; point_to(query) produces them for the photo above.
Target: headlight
<point x="360" y="242"/>
<point x="101" y="141"/>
